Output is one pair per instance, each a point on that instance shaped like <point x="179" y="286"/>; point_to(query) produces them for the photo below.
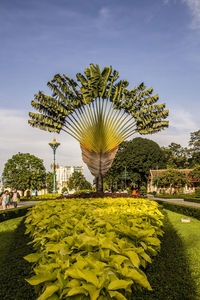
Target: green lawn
<point x="13" y="268"/>
<point x="190" y="236"/>
<point x="174" y="273"/>
<point x="7" y="229"/>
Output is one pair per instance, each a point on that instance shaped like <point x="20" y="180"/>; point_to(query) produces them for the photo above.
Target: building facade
<point x="63" y="174"/>
<point x="152" y="186"/>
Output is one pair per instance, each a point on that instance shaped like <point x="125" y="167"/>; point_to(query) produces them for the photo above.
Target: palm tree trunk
<point x="99" y="184"/>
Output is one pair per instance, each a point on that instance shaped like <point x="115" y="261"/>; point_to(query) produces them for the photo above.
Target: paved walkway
<point x="23" y="204"/>
<point x="177" y="201"/>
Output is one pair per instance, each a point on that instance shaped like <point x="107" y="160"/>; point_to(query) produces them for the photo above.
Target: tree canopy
<point x="24" y="171"/>
<point x="78" y="181"/>
<point x="138" y="156"/>
<point x="171" y="178"/>
<point x="98" y="111"/>
<point x="176" y="156"/>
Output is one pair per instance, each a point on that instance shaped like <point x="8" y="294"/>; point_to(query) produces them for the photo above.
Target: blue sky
<point x="155" y="41"/>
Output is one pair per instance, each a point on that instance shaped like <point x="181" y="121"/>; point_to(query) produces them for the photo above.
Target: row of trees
<point x="179" y="157"/>
<point x="135" y="158"/>
<point x="27" y="172"/>
<point x="130" y="167"/>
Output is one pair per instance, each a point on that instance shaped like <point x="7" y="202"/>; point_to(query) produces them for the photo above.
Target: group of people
<point x="7" y="198"/>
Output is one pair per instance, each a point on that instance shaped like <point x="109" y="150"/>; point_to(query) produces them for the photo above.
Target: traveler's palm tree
<point x="99" y="112"/>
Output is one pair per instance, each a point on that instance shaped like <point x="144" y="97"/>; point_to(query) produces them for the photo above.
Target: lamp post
<point x="54" y="145"/>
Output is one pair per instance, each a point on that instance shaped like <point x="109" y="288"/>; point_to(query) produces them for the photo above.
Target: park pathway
<point x="177" y="201"/>
<point x="23" y="204"/>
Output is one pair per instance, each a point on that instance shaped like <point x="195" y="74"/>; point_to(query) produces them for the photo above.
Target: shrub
<point x="182" y="209"/>
<point x="28" y="193"/>
<point x="64" y="189"/>
<point x="96" y="247"/>
<point x="13" y="213"/>
<point x="143" y="191"/>
<point x="41" y="197"/>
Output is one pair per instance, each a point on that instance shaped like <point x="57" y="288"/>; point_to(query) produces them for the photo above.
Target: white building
<point x="63" y="174"/>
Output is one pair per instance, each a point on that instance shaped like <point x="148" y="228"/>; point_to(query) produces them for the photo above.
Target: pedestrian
<point x="5" y="200"/>
<point x="15" y="197"/>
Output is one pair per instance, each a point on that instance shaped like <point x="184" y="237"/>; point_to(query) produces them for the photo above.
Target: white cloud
<point x="104" y="12"/>
<point x="17" y="136"/>
<point x="181" y="124"/>
<point x="194" y="6"/>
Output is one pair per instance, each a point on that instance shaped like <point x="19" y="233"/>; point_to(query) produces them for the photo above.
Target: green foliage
<point x="176" y="156"/>
<point x="143" y="191"/>
<point x="173" y="274"/>
<point x="7" y="229"/>
<point x="13" y="213"/>
<point x="49" y="182"/>
<point x="194" y="151"/>
<point x="182" y="209"/>
<point x="41" y="197"/>
<point x="24" y="171"/>
<point x="95" y="249"/>
<point x="138" y="156"/>
<point x="69" y="96"/>
<point x="171" y="178"/>
<point x="64" y="189"/>
<point x="195" y="174"/>
<point x="99" y="112"/>
<point x="78" y="181"/>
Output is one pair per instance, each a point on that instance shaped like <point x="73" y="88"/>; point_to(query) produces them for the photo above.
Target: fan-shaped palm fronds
<point x="99" y="111"/>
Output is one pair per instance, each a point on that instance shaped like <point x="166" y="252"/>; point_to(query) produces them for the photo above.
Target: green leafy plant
<point x="93" y="249"/>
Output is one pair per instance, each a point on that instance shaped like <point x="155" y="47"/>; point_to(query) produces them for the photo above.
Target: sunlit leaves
<point x="94" y="248"/>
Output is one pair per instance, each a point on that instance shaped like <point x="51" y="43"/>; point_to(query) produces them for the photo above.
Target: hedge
<point x="182" y="209"/>
<point x="40" y="197"/>
<point x="13" y="213"/>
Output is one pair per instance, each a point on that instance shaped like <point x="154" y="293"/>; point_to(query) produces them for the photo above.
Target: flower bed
<point x="93" y="249"/>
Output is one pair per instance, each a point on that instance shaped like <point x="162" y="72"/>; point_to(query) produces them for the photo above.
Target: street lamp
<point x="54" y="145"/>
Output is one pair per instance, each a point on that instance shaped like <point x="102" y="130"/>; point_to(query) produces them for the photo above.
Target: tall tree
<point x="194" y="151"/>
<point x="78" y="181"/>
<point x="24" y="171"/>
<point x="49" y="182"/>
<point x="176" y="156"/>
<point x="98" y="111"/>
<point x="136" y="158"/>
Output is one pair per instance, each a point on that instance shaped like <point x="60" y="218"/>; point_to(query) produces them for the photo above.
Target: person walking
<point x="5" y="200"/>
<point x="15" y="197"/>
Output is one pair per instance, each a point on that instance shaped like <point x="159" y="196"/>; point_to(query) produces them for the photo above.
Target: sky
<point x="152" y="41"/>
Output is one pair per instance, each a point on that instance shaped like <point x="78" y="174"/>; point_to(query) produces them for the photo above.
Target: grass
<point x="190" y="236"/>
<point x="170" y="273"/>
<point x="174" y="273"/>
<point x="13" y="268"/>
<point x="7" y="229"/>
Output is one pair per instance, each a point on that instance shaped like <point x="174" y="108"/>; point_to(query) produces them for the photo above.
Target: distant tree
<point x="78" y="181"/>
<point x="194" y="149"/>
<point x="64" y="189"/>
<point x="133" y="161"/>
<point x="176" y="156"/>
<point x="49" y="182"/>
<point x="195" y="174"/>
<point x="171" y="178"/>
<point x="24" y="171"/>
